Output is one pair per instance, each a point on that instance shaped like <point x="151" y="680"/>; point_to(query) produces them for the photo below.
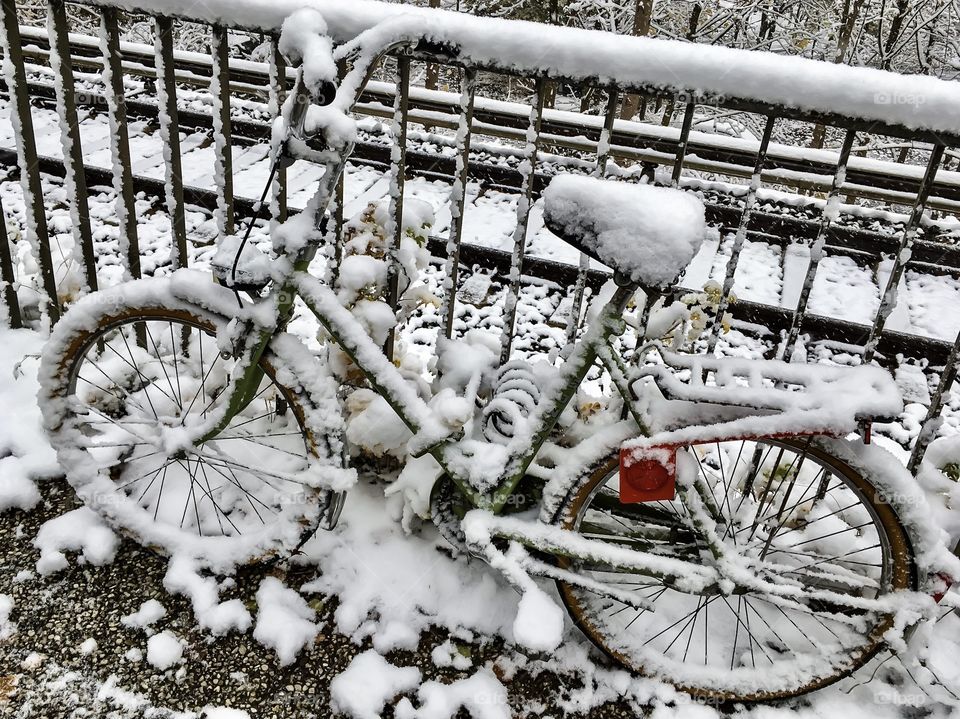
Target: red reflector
<point x="647" y="475"/>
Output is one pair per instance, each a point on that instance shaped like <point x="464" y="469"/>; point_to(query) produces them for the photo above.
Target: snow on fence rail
<point x="911" y="200"/>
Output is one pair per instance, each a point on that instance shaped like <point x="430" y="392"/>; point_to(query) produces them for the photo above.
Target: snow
<point x="150" y="611"/>
<point x="164" y="650"/>
<point x="285" y="622"/>
<point x="88" y="646"/>
<point x="211" y="712"/>
<point x="184" y="577"/>
<point x="916" y="101"/>
<point x="80" y="530"/>
<point x="650" y="234"/>
<point x="481" y="694"/>
<point x="368" y="683"/>
<point x="7" y="627"/>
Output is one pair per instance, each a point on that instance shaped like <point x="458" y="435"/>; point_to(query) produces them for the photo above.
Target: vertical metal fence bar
<point x="278" y="95"/>
<point x="75" y="180"/>
<point x="603" y="154"/>
<point x="8" y="276"/>
<point x="888" y="299"/>
<point x="933" y="420"/>
<point x="458" y="200"/>
<point x="220" y="89"/>
<point x="337" y="210"/>
<point x="22" y="121"/>
<point x="170" y="136"/>
<point x="830" y="212"/>
<point x="529" y="169"/>
<point x="682" y="143"/>
<point x="748" y="204"/>
<point x="398" y="166"/>
<point x="119" y="140"/>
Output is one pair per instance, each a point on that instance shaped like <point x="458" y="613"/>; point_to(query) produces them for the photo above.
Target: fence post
<point x="931" y="423"/>
<point x="75" y="180"/>
<point x="170" y="136"/>
<point x="830" y="212"/>
<point x="398" y="165"/>
<point x="740" y="238"/>
<point x="603" y="153"/>
<point x="524" y="203"/>
<point x="22" y="121"/>
<point x="9" y="278"/>
<point x="458" y="200"/>
<point x="888" y="299"/>
<point x="119" y="140"/>
<point x="220" y="89"/>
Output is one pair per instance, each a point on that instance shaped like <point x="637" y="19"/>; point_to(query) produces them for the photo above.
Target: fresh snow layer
<point x="648" y="233"/>
<point x="368" y="683"/>
<point x="915" y="101"/>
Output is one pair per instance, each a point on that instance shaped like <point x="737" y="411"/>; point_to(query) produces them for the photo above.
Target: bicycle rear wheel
<point x="794" y="514"/>
<point x="128" y="395"/>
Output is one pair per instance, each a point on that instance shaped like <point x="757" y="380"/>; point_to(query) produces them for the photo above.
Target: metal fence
<point x="536" y="141"/>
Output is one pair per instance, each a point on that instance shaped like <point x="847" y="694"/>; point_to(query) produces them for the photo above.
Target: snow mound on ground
<point x="481" y="694"/>
<point x="7" y="628"/>
<point x="284" y="620"/>
<point x="24" y="452"/>
<point x="224" y="713"/>
<point x="148" y="613"/>
<point x="164" y="650"/>
<point x="183" y="577"/>
<point x="368" y="683"/>
<point x="80" y="530"/>
<point x="386" y="579"/>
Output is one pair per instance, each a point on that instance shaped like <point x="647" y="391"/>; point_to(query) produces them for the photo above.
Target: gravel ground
<point x="44" y="672"/>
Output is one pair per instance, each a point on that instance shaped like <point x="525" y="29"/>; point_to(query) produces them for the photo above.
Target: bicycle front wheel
<point x="123" y="396"/>
<point x="796" y="515"/>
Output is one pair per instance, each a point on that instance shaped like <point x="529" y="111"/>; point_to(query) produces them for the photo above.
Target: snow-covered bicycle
<point x="718" y="529"/>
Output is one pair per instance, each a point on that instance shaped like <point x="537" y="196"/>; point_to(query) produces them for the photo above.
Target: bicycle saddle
<point x="648" y="234"/>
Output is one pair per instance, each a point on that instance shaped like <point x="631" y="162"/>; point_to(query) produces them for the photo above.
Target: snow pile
<point x="363" y="689"/>
<point x="650" y="234"/>
<point x="164" y="650"/>
<point x="391" y="586"/>
<point x="285" y="622"/>
<point x="88" y="646"/>
<point x="7" y="627"/>
<point x="184" y="577"/>
<point x="150" y="611"/>
<point x="223" y="713"/>
<point x="80" y="530"/>
<point x="24" y="453"/>
<point x="481" y="694"/>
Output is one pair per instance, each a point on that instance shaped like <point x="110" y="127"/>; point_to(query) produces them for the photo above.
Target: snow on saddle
<point x="647" y="234"/>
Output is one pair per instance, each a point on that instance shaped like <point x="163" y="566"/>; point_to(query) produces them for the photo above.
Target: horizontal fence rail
<point x="895" y="212"/>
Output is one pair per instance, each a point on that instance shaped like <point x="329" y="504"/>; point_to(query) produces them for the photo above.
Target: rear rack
<point x="841" y="393"/>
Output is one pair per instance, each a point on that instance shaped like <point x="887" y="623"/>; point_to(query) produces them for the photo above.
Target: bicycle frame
<point x="383" y="377"/>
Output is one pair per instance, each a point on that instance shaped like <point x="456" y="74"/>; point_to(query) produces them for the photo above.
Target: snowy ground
<point x="370" y="619"/>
